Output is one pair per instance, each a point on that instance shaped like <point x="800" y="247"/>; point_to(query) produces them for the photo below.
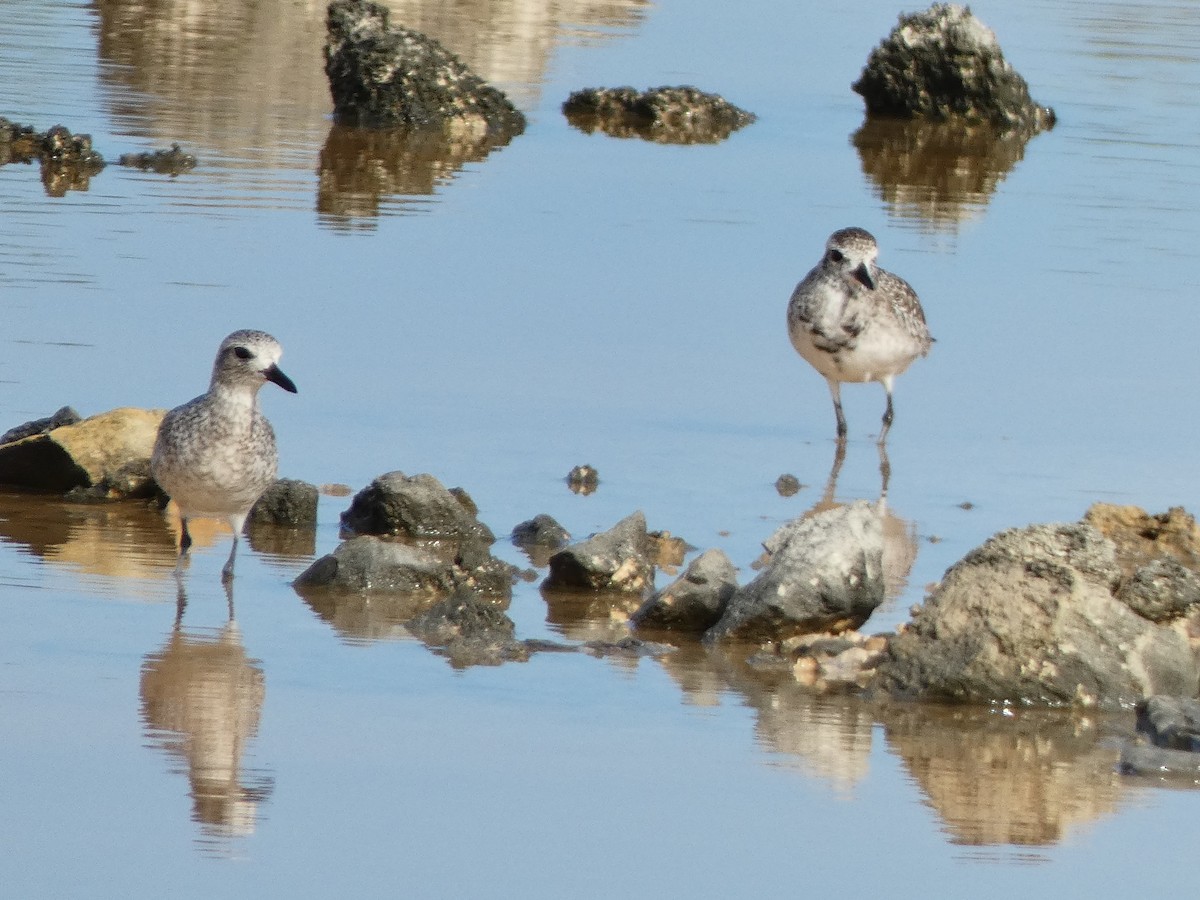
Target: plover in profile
<point x="215" y="455"/>
<point x="853" y="321"/>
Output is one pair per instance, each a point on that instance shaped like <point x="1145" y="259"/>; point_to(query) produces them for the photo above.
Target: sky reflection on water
<point x="570" y="299"/>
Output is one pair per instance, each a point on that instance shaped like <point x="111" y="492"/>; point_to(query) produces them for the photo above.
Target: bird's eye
<point x="242" y="353"/>
<point x="836" y="255"/>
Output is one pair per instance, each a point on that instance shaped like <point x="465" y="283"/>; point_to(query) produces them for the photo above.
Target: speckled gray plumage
<point x="215" y="455"/>
<point x="855" y="322"/>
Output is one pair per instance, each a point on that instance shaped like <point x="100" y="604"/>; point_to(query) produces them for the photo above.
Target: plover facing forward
<point x="215" y="455"/>
<point x="855" y="322"/>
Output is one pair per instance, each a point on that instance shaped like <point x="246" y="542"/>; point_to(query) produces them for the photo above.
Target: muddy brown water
<point x="575" y="299"/>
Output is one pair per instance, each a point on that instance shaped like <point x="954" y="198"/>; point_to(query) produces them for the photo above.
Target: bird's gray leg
<point x="835" y="391"/>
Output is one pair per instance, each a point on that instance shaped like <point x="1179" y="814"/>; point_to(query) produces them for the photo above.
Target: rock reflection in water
<point x="828" y="738"/>
<point x="202" y="699"/>
<point x="586" y="616"/>
<point x="124" y="540"/>
<point x="360" y="618"/>
<point x="362" y="169"/>
<point x="1022" y="778"/>
<point x="939" y="173"/>
<point x="219" y="71"/>
<point x="511" y="42"/>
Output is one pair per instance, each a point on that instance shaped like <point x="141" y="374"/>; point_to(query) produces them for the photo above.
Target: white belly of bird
<point x="879" y="353"/>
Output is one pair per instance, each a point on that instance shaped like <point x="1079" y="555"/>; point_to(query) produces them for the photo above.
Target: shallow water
<point x="570" y="299"/>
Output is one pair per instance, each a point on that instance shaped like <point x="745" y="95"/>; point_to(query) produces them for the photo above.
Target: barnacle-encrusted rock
<point x="67" y="160"/>
<point x="380" y="74"/>
<point x="944" y="63"/>
<point x="665" y="115"/>
<point x="164" y="162"/>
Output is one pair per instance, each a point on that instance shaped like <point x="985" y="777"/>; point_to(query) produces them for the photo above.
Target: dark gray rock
<point x="421" y="509"/>
<point x="824" y="574"/>
<point x="1032" y="616"/>
<point x="629" y="647"/>
<point x="665" y="115"/>
<point x="540" y="538"/>
<point x="695" y="601"/>
<point x="540" y="531"/>
<point x="367" y="563"/>
<point x="64" y="416"/>
<point x="417" y="507"/>
<point x="1178" y="768"/>
<point x="1172" y="723"/>
<point x="469" y="631"/>
<point x="287" y="502"/>
<point x="380" y="74"/>
<point x="130" y="480"/>
<point x="614" y="560"/>
<point x="944" y="63"/>
<point x="474" y="567"/>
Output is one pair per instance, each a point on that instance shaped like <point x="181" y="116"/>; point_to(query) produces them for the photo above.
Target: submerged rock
<point x="540" y="537"/>
<point x="1170" y="722"/>
<point x="380" y="74"/>
<point x="67" y="160"/>
<point x="109" y="452"/>
<point x="540" y="531"/>
<point x="583" y="479"/>
<point x="695" y="601"/>
<point x="469" y="631"/>
<point x="824" y="573"/>
<point x="944" y="63"/>
<point x="834" y="662"/>
<point x="787" y="485"/>
<point x="1168" y="740"/>
<point x="614" y="560"/>
<point x="165" y="162"/>
<point x="1039" y="615"/>
<point x="368" y="563"/>
<point x="287" y="502"/>
<point x="665" y="115"/>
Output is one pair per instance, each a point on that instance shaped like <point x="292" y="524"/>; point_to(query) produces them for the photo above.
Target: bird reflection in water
<point x="202" y="700"/>
<point x="899" y="535"/>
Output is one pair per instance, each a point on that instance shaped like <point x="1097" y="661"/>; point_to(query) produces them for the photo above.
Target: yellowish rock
<point x="112" y="448"/>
